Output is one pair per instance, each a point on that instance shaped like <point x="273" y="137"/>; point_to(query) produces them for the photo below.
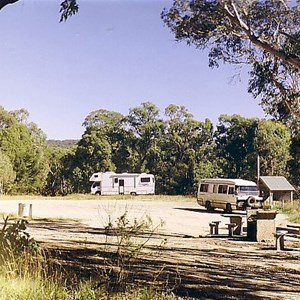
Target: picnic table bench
<point x="279" y="239"/>
<point x="294" y="227"/>
<point x="214" y="227"/>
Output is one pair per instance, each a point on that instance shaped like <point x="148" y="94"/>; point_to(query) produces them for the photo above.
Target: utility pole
<point x="258" y="169"/>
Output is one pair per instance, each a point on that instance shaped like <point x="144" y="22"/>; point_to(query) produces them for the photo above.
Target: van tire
<point x="208" y="206"/>
<point x="228" y="208"/>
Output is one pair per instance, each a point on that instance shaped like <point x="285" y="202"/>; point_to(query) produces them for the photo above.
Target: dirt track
<point x="196" y="265"/>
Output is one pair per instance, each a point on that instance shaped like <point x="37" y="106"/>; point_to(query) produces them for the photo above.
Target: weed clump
<point x="127" y="242"/>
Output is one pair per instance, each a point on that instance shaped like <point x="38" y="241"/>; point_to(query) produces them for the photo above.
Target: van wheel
<point x="228" y="208"/>
<point x="208" y="206"/>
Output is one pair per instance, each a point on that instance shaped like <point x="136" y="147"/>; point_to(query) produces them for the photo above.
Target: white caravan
<point x="110" y="183"/>
<point x="228" y="194"/>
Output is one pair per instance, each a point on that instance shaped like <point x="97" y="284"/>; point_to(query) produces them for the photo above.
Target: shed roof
<point x="276" y="183"/>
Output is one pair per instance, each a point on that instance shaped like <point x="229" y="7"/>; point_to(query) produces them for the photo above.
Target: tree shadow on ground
<point x="226" y="270"/>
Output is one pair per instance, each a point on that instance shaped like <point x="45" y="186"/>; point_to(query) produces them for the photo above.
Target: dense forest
<point x="174" y="146"/>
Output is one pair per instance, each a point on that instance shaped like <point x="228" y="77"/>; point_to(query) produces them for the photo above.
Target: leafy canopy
<point x="263" y="34"/>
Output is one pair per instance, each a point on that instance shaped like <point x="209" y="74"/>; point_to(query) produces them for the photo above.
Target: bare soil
<point x="190" y="263"/>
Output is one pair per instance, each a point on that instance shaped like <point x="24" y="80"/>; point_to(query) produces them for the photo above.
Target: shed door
<point x="121" y="186"/>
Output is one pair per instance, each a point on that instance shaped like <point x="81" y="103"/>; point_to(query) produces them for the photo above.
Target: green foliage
<point x="235" y="144"/>
<point x="262" y="34"/>
<point x="272" y="143"/>
<point x="239" y="141"/>
<point x="24" y="145"/>
<point x="103" y="119"/>
<point x="7" y="173"/>
<point x="178" y="149"/>
<point x="146" y="128"/>
<point x="57" y="182"/>
<point x="68" y="8"/>
<point x="15" y="241"/>
<point x="294" y="163"/>
<point x="186" y="146"/>
<point x="92" y="153"/>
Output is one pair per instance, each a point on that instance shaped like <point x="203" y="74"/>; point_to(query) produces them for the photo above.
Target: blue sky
<point x="114" y="54"/>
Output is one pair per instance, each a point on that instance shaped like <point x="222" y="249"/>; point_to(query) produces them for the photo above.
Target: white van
<point x="111" y="183"/>
<point x="228" y="194"/>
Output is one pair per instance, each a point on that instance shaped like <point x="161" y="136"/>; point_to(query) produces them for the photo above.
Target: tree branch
<point x="3" y="3"/>
<point x="235" y="19"/>
<point x="281" y="88"/>
<point x="293" y="61"/>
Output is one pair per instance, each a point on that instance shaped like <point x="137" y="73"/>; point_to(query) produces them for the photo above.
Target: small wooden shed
<point x="276" y="188"/>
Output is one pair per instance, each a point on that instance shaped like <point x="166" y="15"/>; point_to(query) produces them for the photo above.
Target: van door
<point x="121" y="186"/>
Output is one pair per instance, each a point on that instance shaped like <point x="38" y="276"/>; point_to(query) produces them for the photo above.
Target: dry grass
<point x="292" y="210"/>
<point x="97" y="197"/>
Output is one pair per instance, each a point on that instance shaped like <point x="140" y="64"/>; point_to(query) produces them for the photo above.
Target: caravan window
<point x="222" y="189"/>
<point x="204" y="187"/>
<point x="116" y="180"/>
<point x="145" y="179"/>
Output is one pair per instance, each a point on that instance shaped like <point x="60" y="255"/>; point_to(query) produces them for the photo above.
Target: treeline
<point x="174" y="146"/>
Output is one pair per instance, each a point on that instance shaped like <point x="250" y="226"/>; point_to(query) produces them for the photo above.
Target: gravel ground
<point x="206" y="267"/>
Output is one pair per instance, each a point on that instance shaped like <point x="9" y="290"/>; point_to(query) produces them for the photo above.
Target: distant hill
<point x="62" y="143"/>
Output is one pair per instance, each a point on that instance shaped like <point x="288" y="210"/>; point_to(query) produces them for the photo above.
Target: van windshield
<point x="95" y="184"/>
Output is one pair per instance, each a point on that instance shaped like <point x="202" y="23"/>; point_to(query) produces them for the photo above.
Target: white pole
<point x="258" y="168"/>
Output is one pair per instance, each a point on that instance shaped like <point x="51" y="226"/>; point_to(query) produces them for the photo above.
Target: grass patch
<point x="292" y="210"/>
<point x="13" y="217"/>
<point x="29" y="272"/>
<point x="178" y="198"/>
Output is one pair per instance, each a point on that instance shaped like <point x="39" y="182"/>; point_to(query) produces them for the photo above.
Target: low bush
<point x="127" y="242"/>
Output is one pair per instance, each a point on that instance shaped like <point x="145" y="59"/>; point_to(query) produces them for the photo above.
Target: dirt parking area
<point x="194" y="264"/>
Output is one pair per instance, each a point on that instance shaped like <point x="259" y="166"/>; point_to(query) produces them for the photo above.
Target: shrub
<point x="14" y="240"/>
<point x="132" y="238"/>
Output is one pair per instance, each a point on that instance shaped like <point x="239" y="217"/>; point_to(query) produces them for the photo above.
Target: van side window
<point x="204" y="187"/>
<point x="145" y="179"/>
<point x="222" y="189"/>
<point x="231" y="190"/>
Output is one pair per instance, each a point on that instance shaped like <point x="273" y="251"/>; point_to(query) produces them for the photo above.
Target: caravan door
<point x="121" y="186"/>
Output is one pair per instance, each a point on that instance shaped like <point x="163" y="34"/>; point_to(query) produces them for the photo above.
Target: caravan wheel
<point x="133" y="193"/>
